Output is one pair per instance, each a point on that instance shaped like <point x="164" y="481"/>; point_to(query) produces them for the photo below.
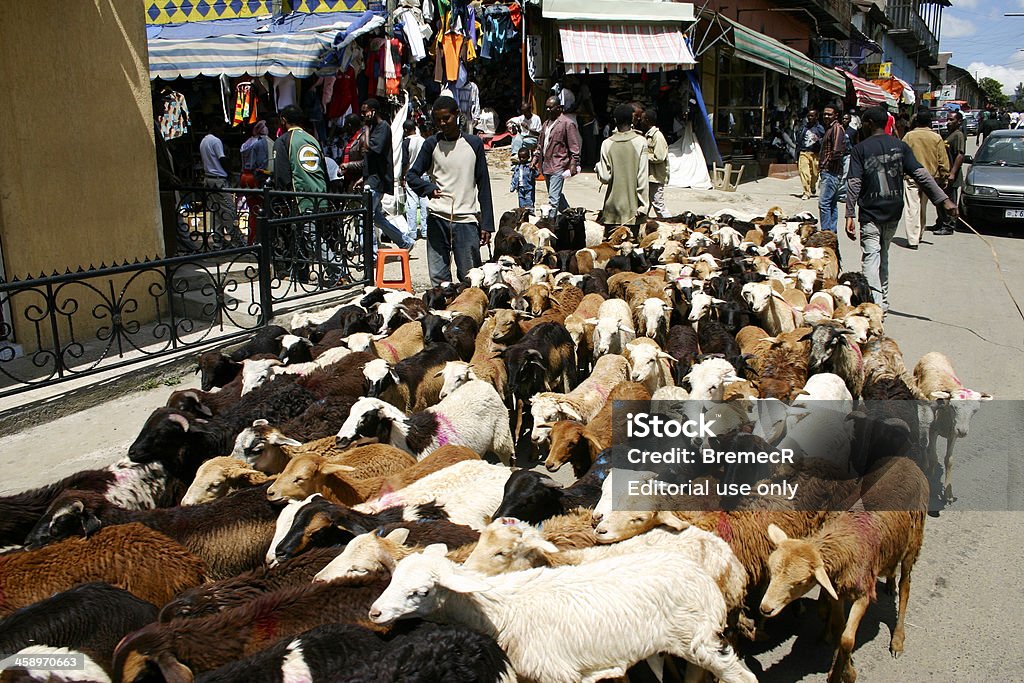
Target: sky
<point x="985" y="42"/>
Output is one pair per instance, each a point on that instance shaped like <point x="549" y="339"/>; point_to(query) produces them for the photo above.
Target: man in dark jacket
<point x="875" y="185"/>
<point x="378" y="171"/>
<point x="460" y="217"/>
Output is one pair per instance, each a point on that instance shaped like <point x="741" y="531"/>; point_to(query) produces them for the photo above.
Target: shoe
<point x="912" y="246"/>
<point x="384" y="239"/>
<point x="943" y="231"/>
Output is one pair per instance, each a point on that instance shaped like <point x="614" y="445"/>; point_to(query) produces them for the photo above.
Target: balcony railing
<point x="841" y="10"/>
<point x="908" y="22"/>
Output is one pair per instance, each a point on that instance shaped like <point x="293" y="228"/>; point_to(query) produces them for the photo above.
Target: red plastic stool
<point x="405" y="282"/>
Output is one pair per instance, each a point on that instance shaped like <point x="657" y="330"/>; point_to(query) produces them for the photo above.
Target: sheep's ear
<point x="282" y="440"/>
<point x="439" y="373"/>
<point x="398" y="536"/>
<point x="590" y="321"/>
<point x="90" y="522"/>
<point x="940" y="395"/>
<point x="260" y="423"/>
<point x="464" y="583"/>
<point x="179" y="420"/>
<point x="173" y="671"/>
<point x="535" y="542"/>
<point x="664" y="356"/>
<point x="821" y="576"/>
<point x="336" y="468"/>
<point x="436" y="549"/>
<point x="671" y="521"/>
<point x="777" y="535"/>
<point x="569" y="410"/>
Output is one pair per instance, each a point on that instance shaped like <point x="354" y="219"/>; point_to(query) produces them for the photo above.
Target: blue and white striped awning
<point x="237" y="55"/>
<point x="294" y="44"/>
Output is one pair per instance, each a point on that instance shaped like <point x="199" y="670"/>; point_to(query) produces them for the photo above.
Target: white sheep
<point x="470" y="491"/>
<point x="776" y="314"/>
<point x="473" y="415"/>
<point x="613" y="327"/>
<point x="507" y="545"/>
<point x="608" y="614"/>
<point x="653" y="317"/>
<point x="582" y="403"/>
<point x="256" y="373"/>
<point x="954" y="408"/>
<point x="708" y="379"/>
<point x="649" y="365"/>
<point x="700" y="305"/>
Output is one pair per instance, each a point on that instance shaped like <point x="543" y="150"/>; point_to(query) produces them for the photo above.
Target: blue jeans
<point x="874" y="246"/>
<point x="382" y="222"/>
<point x="828" y="201"/>
<point x="556" y="199"/>
<point x="444" y="238"/>
<point x="842" y="181"/>
<point x="413" y="202"/>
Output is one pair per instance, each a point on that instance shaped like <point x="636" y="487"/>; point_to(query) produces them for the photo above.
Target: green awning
<point x="769" y="53"/>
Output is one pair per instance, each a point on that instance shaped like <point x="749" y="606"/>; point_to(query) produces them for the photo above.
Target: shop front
<point x="757" y="90"/>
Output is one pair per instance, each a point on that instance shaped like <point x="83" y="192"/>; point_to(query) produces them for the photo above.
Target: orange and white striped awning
<point x="628" y="48"/>
<point x="867" y="94"/>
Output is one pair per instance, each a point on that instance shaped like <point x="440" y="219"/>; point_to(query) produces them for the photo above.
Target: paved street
<point x="963" y="623"/>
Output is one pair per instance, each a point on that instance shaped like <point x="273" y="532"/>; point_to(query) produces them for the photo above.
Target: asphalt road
<point x="963" y="621"/>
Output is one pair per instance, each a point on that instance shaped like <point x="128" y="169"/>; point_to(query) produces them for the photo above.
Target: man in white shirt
<point x="526" y="128"/>
<point x="220" y="204"/>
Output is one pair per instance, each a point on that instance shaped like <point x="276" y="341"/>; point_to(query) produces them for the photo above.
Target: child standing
<point x="524" y="179"/>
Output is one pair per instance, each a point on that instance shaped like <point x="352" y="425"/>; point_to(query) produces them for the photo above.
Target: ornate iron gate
<point x="273" y="247"/>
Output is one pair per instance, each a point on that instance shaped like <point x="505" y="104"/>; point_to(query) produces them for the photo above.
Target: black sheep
<point x="91" y="618"/>
<point x="539" y="360"/>
<point x="715" y="338"/>
<point x="859" y="284"/>
<point x="217" y="369"/>
<point x="534" y="497"/>
<point x="596" y="282"/>
<point x="433" y="652"/>
<point x="182" y="444"/>
<point x="320" y="655"/>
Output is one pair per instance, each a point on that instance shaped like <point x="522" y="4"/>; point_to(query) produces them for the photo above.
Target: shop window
<point x="739" y="99"/>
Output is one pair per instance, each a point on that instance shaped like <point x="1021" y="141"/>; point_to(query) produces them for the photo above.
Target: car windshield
<point x="1001" y="151"/>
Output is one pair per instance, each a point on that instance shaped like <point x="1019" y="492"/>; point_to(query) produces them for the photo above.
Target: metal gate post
<point x="368" y="262"/>
<point x="266" y="258"/>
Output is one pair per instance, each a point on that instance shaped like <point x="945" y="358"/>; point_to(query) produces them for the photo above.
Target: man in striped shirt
<point x="833" y="148"/>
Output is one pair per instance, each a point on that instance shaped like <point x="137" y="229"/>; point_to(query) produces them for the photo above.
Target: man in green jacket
<point x="299" y="167"/>
<point x="624" y="169"/>
<point x="657" y="161"/>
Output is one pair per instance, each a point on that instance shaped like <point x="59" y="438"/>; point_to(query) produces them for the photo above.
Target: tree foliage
<point x="993" y="90"/>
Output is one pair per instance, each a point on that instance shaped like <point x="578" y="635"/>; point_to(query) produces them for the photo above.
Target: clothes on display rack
<point x="245" y="103"/>
<point x="174" y="121"/>
<point x="345" y="97"/>
<point x="284" y="91"/>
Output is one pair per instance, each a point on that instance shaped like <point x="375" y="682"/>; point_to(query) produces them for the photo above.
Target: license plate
<point x="1015" y="213"/>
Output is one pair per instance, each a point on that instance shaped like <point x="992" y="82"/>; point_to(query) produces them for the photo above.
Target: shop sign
<point x="873" y="71"/>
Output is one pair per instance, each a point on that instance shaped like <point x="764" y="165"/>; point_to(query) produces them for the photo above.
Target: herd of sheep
<point x="341" y="500"/>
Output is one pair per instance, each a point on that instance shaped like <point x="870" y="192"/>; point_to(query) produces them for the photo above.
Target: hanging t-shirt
<point x="174" y="121"/>
<point x="284" y="91"/>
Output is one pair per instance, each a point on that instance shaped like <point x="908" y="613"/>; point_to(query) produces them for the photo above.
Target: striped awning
<point x="868" y="94"/>
<point x="769" y="53"/>
<point x="254" y="55"/>
<point x="625" y="48"/>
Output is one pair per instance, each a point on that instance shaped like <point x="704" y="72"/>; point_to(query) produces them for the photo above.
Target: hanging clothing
<point x="345" y="98"/>
<point x="413" y="32"/>
<point x="245" y="104"/>
<point x="284" y="91"/>
<point x="392" y="67"/>
<point x="468" y="97"/>
<point x="174" y="121"/>
<point x="327" y="83"/>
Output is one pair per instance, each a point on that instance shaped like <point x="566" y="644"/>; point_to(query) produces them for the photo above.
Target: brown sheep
<point x="536" y="299"/>
<point x="133" y="557"/>
<point x="507" y="329"/>
<point x="568" y="298"/>
<point x="400" y="344"/>
<point x="580" y="444"/>
<point x="471" y="302"/>
<point x="848" y="554"/>
<point x="552" y="315"/>
<point x="182" y="647"/>
<point x="350" y="478"/>
<point x="219" y="476"/>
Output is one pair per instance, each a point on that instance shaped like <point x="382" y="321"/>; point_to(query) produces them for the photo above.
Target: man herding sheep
<point x="875" y="185"/>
